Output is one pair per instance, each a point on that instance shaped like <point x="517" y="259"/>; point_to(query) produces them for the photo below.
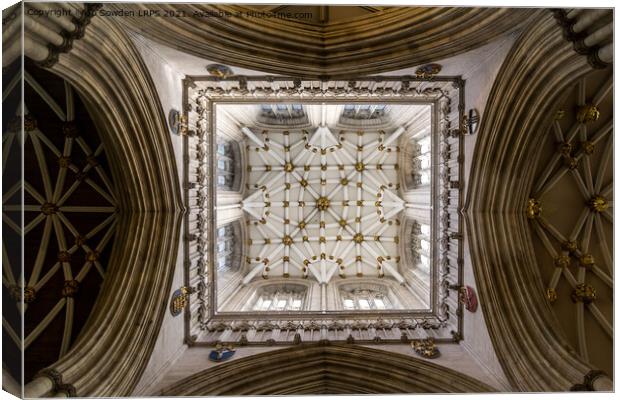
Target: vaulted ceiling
<point x="572" y="217"/>
<point x="69" y="220"/>
<point x="370" y="41"/>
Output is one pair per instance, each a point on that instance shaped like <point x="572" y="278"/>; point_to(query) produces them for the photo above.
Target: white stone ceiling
<point x="322" y="198"/>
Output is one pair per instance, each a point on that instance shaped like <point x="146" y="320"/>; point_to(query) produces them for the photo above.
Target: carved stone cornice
<point x="440" y="91"/>
<point x="539" y="67"/>
<point x="392" y="39"/>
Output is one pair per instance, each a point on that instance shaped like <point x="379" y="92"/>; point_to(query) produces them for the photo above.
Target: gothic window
<point x="225" y="165"/>
<point x="282" y="111"/>
<point x="422" y="162"/>
<point x="421" y="245"/>
<point x="365" y="299"/>
<point x="363" y="111"/>
<point x="279" y="298"/>
<point x="226" y="240"/>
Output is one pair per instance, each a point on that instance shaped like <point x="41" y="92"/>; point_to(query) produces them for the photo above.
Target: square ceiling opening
<point x="323" y="207"/>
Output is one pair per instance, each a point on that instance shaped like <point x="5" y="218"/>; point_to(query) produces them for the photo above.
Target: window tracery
<point x="225" y="165"/>
<point x="279" y="298"/>
<point x="421" y="245"/>
<point x="226" y="242"/>
<point x="422" y="162"/>
<point x="364" y="299"/>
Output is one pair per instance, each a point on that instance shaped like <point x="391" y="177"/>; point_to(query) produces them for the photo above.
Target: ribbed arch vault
<point x="331" y="369"/>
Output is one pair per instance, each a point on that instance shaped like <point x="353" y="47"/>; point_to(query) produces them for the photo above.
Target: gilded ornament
<point x="559" y="114"/>
<point x="359" y="166"/>
<point x="64" y="257"/>
<point x="587" y="147"/>
<point x="30" y="123"/>
<point x="598" y="204"/>
<point x="569" y="246"/>
<point x="219" y="70"/>
<point x="583" y="293"/>
<point x="303" y="183"/>
<point x="288" y="167"/>
<point x="322" y="203"/>
<point x="587" y="113"/>
<point x="63" y="162"/>
<point x="533" y="209"/>
<point x="428" y="71"/>
<point x="358" y="238"/>
<point x="70" y="288"/>
<point x="342" y="222"/>
<point x="29" y="294"/>
<point x="179" y="301"/>
<point x="425" y="348"/>
<point x="344" y="181"/>
<point x="286" y="259"/>
<point x="586" y="261"/>
<point x="552" y="295"/>
<point x="359" y="274"/>
<point x="562" y="261"/>
<point x="286" y="275"/>
<point x="302" y="225"/>
<point x="571" y="163"/>
<point x="49" y="208"/>
<point x="267" y="168"/>
<point x="322" y="239"/>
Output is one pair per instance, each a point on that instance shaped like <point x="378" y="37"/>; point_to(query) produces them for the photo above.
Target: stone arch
<point x="117" y="341"/>
<point x="540" y="66"/>
<point x="330" y="369"/>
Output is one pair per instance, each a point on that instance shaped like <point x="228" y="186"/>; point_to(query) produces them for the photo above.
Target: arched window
<point x="225" y="165"/>
<point x="365" y="299"/>
<point x="421" y="245"/>
<point x="227" y="259"/>
<point x="422" y="162"/>
<point x="280" y="298"/>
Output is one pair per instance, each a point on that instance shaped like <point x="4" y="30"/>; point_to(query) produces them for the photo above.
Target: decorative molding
<point x="204" y="90"/>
